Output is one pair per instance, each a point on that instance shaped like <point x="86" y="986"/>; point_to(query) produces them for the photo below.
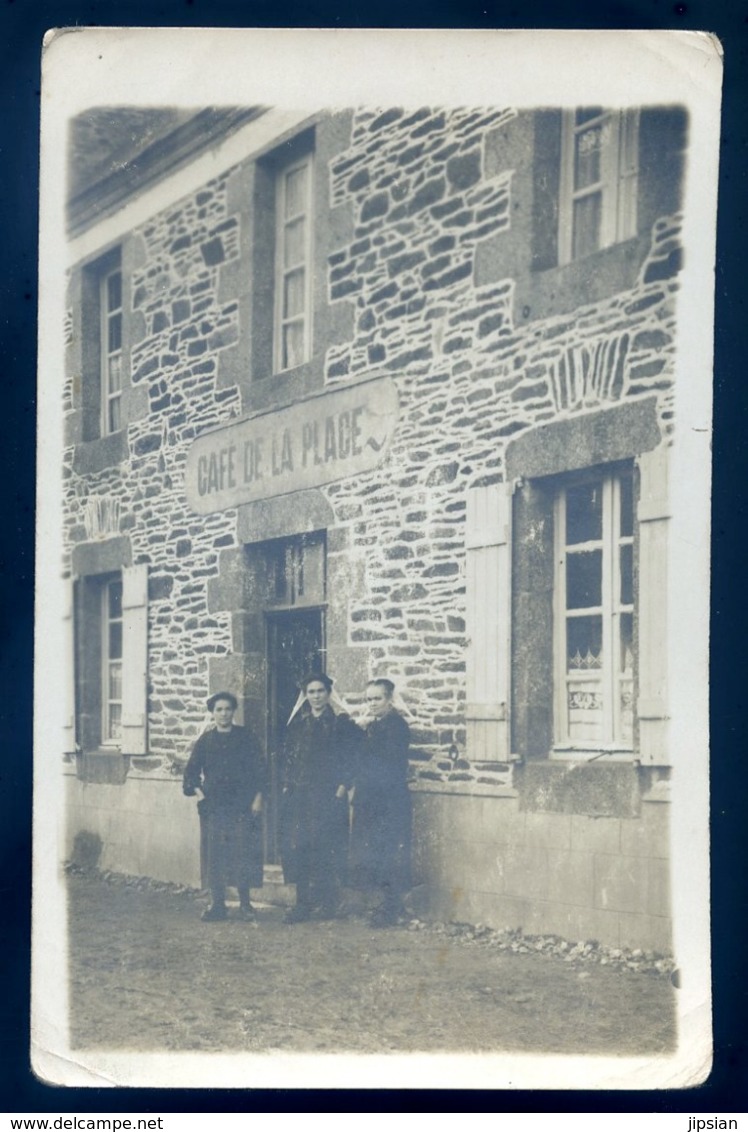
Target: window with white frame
<point x="293" y="281"/>
<point x="599" y="173"/>
<point x="594" y="613"/>
<point x="111" y="652"/>
<point x="110" y="305"/>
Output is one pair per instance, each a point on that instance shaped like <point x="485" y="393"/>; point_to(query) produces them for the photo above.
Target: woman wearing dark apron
<point x="318" y="764"/>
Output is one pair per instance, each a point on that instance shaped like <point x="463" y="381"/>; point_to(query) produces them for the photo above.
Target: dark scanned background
<point x="22" y="25"/>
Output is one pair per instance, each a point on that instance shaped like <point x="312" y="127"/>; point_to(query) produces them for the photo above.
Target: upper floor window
<point x="293" y="259"/>
<point x="102" y="347"/>
<point x="110" y="306"/>
<point x="594" y="603"/>
<point x="598" y="186"/>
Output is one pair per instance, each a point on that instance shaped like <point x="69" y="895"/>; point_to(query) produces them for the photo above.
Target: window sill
<point x="598" y="789"/>
<point x="557" y="290"/>
<point x="593" y="756"/>
<point x="105" y="766"/>
<point x="274" y="390"/>
<point x="104" y="452"/>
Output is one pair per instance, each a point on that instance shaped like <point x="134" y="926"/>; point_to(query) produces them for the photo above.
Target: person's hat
<point x="229" y="697"/>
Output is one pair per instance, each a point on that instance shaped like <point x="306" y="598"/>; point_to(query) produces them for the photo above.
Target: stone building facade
<point x="505" y="283"/>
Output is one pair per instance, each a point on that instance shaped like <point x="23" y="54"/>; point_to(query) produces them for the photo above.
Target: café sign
<point x="325" y="438"/>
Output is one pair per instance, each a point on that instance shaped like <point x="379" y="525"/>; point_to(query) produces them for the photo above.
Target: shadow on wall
<point x="86" y="849"/>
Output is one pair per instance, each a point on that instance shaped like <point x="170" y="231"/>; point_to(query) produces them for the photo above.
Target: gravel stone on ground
<point x="146" y="974"/>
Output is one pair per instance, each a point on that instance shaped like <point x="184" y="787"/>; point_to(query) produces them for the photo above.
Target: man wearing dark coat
<point x="227" y="766"/>
<point x="318" y="769"/>
<point x="381" y="835"/>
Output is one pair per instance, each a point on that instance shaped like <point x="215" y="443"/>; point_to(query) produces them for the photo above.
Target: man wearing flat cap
<point x="227" y="767"/>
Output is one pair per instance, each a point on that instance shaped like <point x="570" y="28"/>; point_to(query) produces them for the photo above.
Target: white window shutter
<point x="653" y="515"/>
<point x="68" y="629"/>
<point x="134" y="659"/>
<point x="488" y="623"/>
<point x="628" y="166"/>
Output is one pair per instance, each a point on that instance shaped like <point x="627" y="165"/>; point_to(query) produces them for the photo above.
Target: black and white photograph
<point x="374" y="464"/>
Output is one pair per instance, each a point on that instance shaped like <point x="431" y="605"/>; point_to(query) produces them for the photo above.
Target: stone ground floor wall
<point x="145" y="827"/>
<point x="478" y="858"/>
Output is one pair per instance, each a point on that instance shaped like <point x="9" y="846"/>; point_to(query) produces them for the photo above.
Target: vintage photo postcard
<point x="373" y="541"/>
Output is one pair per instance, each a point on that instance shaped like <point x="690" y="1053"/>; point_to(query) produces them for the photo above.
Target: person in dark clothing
<point x="317" y="771"/>
<point x="226" y="765"/>
<point x="381" y="835"/>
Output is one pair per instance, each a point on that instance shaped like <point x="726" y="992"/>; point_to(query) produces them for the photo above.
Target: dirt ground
<point x="146" y="974"/>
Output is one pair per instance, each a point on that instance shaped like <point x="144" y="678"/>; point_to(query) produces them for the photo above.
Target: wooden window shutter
<point x="653" y="517"/>
<point x="628" y="174"/>
<point x="134" y="659"/>
<point x="68" y="629"/>
<point x="488" y="623"/>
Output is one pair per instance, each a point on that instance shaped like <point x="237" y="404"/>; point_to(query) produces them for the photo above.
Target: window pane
<point x="627" y="644"/>
<point x="584" y="579"/>
<point x="293" y="345"/>
<point x="584" y="706"/>
<point x="290" y="568"/>
<point x="587" y="158"/>
<point x="278" y="569"/>
<point x="293" y="294"/>
<point x="115" y="414"/>
<point x="114" y="291"/>
<point x="114" y="336"/>
<point x="627" y="575"/>
<point x="295" y="243"/>
<point x="587" y="113"/>
<point x="115" y="640"/>
<point x="296" y="191"/>
<point x="115" y="722"/>
<point x="586" y="225"/>
<point x="584" y="692"/>
<point x="114" y="365"/>
<point x="115" y="681"/>
<point x="115" y="600"/>
<point x="584" y="513"/>
<point x="584" y="644"/>
<point x="627" y="506"/>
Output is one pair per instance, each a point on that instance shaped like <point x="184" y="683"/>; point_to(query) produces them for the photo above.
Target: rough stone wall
<point x="179" y="327"/>
<point x="468" y="378"/>
<point x="423" y="197"/>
